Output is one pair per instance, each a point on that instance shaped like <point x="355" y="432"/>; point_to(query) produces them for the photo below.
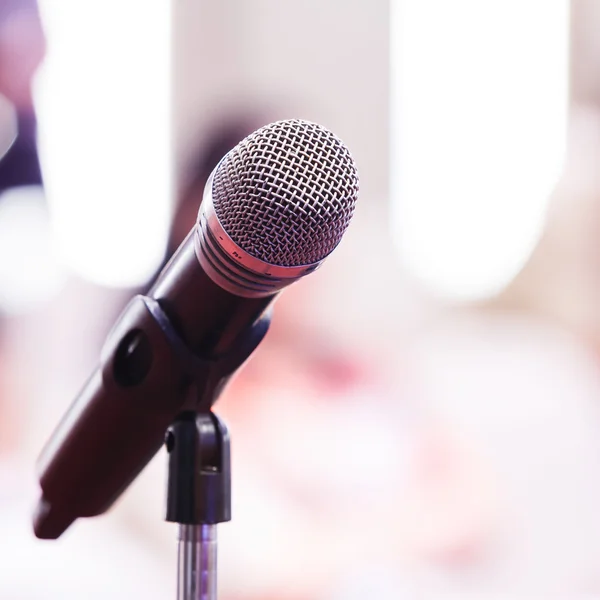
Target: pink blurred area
<point x="388" y="443"/>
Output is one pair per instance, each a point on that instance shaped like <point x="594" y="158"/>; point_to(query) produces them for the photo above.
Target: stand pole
<point x="197" y="562"/>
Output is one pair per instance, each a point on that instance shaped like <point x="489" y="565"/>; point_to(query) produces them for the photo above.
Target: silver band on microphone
<point x="232" y="268"/>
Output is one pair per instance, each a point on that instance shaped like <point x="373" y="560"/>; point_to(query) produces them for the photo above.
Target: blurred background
<point x="422" y="421"/>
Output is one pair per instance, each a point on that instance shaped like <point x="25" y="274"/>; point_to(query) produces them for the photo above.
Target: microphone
<point x="273" y="209"/>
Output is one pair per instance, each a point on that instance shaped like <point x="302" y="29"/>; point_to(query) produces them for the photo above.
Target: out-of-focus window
<point x="479" y="111"/>
<point x="102" y="100"/>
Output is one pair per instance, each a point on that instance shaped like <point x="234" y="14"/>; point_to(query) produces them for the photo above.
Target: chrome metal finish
<point x="197" y="562"/>
<point x="275" y="207"/>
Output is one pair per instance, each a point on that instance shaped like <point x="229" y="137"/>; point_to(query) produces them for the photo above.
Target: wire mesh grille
<point x="286" y="193"/>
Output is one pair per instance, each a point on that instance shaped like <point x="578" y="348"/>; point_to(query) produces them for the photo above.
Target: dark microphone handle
<point x="147" y="376"/>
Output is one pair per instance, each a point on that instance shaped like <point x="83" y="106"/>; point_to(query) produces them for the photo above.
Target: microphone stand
<point x="198" y="498"/>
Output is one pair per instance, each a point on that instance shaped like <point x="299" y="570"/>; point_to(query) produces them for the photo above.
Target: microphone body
<point x="275" y="207"/>
<point x="118" y="421"/>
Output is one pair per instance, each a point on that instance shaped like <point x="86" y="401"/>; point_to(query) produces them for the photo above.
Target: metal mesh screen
<point x="286" y="193"/>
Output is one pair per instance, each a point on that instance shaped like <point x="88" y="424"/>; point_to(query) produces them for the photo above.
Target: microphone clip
<point x="197" y="442"/>
<point x="199" y="476"/>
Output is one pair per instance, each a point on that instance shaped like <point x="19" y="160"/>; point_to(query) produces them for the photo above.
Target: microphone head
<point x="286" y="193"/>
